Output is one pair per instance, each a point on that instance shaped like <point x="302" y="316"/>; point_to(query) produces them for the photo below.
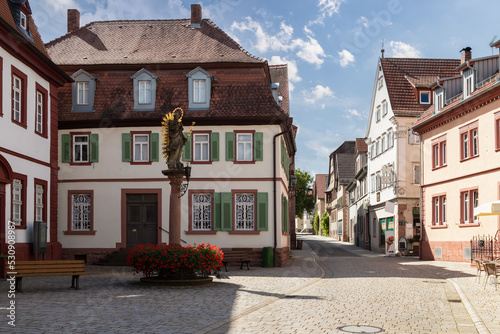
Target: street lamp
<point x="291" y="185"/>
<point x="184" y="186"/>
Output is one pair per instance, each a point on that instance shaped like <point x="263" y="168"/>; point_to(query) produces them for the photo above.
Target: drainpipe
<point x="274" y="192"/>
<point x="420" y="197"/>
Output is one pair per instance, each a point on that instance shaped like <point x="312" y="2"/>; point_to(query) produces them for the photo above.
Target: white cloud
<point x="309" y="50"/>
<point x="353" y="113"/>
<point x="346" y="58"/>
<point x="308" y="31"/>
<point x="60" y="5"/>
<point x="403" y="50"/>
<point x="317" y="93"/>
<point x="363" y="21"/>
<point x="329" y="7"/>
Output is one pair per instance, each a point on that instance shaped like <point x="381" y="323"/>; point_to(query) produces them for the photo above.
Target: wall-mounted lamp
<point x="291" y="185"/>
<point x="184" y="186"/>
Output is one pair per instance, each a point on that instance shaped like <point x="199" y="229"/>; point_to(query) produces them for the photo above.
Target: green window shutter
<point x="282" y="213"/>
<point x="217" y="212"/>
<point x="230" y="142"/>
<point x="66" y="148"/>
<point x="214" y="146"/>
<point x="94" y="147"/>
<point x="186" y="151"/>
<point x="258" y="146"/>
<point x="227" y="211"/>
<point x="154" y="149"/>
<point x="126" y="147"/>
<point x="262" y="213"/>
<point x="286" y="215"/>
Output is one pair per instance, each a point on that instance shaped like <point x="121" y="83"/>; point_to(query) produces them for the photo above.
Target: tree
<point x="316" y="223"/>
<point x="325" y="225"/>
<point x="302" y="201"/>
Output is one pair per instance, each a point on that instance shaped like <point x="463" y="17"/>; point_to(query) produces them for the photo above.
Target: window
<point x="468" y="83"/>
<point x="80" y="148"/>
<point x="41" y="118"/>
<point x="372" y="151"/>
<point x="40" y="200"/>
<point x="244" y="147"/>
<point x="141" y="148"/>
<point x="83" y="93"/>
<point x="244" y="207"/>
<point x="377" y="147"/>
<point x="19" y="97"/>
<point x="416" y="174"/>
<point x="83" y="90"/>
<point x="439" y="101"/>
<point x="469" y="141"/>
<point x="144" y="90"/>
<point x="425" y="97"/>
<point x="23" y="21"/>
<point x="378" y="114"/>
<point x="439" y="152"/>
<point x="380" y="83"/>
<point x="199" y="91"/>
<point x="383" y="143"/>
<point x="497" y="130"/>
<point x="373" y="183"/>
<point x="201" y="211"/>
<point x="379" y="182"/>
<point x="17" y="202"/>
<point x="199" y="85"/>
<point x="469" y="199"/>
<point x="439" y="210"/>
<point x="384" y="108"/>
<point x="201" y="147"/>
<point x="16" y="98"/>
<point x="81" y="212"/>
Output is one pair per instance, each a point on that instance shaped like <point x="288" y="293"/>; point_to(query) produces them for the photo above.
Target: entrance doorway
<point x="142" y="219"/>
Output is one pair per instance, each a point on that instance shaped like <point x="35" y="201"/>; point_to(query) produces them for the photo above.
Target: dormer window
<point x="83" y="91"/>
<point x="23" y="21"/>
<point x="425" y="97"/>
<point x="468" y="82"/>
<point x="144" y="90"/>
<point x="439" y="101"/>
<point x="199" y="85"/>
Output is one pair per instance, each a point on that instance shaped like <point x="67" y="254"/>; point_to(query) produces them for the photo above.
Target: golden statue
<point x="173" y="139"/>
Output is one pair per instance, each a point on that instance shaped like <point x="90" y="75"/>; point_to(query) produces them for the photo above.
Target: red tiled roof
<point x="237" y="94"/>
<point x="402" y="74"/>
<point x="361" y="145"/>
<point x="429" y="113"/>
<point x="147" y="42"/>
<point x="7" y="18"/>
<point x="279" y="74"/>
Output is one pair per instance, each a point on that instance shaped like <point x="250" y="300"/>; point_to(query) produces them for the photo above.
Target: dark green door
<point x="142" y="219"/>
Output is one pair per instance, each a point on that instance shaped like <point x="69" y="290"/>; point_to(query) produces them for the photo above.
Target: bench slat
<point x="54" y="274"/>
<point x="65" y="262"/>
<point x="50" y="266"/>
<point x="41" y="271"/>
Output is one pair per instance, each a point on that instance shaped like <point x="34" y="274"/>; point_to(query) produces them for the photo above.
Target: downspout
<point x="274" y="192"/>
<point x="420" y="196"/>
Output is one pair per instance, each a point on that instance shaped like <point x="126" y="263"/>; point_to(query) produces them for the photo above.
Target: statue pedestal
<point x="175" y="177"/>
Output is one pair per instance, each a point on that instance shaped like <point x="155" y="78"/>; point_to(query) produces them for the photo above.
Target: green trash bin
<point x="267" y="257"/>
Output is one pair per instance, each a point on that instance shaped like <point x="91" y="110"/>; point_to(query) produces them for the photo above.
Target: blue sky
<point x="330" y="46"/>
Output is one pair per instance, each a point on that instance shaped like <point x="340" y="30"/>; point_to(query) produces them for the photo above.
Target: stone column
<point x="175" y="178"/>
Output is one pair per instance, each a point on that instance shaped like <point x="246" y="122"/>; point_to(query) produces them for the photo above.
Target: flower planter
<point x="177" y="282"/>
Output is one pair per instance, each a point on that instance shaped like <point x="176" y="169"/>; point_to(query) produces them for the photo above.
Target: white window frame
<point x="443" y="152"/>
<point x="84" y="221"/>
<point x="377" y="117"/>
<point x="201" y="210"/>
<point x="475" y="203"/>
<point x="244" y="212"/>
<point x="465" y="204"/>
<point x="17" y="201"/>
<point x="23" y="20"/>
<point x="469" y="86"/>
<point x="244" y="148"/>
<point x="199" y="91"/>
<point x="475" y="142"/>
<point x="141" y="148"/>
<point x="443" y="208"/>
<point x="17" y="89"/>
<point x="82" y="95"/>
<point x="201" y="147"/>
<point x="144" y="91"/>
<point x="84" y="158"/>
<point x="465" y="145"/>
<point x="199" y="86"/>
<point x="39" y="112"/>
<point x="425" y="93"/>
<point x="39" y="202"/>
<point x="384" y="108"/>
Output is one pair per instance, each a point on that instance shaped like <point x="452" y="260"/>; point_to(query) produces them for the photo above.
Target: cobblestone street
<point x="326" y="286"/>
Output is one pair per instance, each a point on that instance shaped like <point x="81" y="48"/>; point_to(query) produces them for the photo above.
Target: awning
<point x="488" y="209"/>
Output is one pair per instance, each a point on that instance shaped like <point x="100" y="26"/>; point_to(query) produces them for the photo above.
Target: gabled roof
<point x="147" y="42"/>
<point x="279" y="74"/>
<point x="8" y="9"/>
<point x="344" y="162"/>
<point x="320" y="185"/>
<point x="361" y="145"/>
<point x="404" y="75"/>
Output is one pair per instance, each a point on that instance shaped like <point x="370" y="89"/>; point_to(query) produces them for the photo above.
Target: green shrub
<point x="316" y="223"/>
<point x="325" y="224"/>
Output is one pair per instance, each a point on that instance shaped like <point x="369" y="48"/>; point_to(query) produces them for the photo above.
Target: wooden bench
<point x="240" y="256"/>
<point x="74" y="268"/>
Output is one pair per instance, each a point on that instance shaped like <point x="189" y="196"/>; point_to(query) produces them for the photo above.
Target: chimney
<point x="73" y="20"/>
<point x="195" y="16"/>
<point x="466" y="54"/>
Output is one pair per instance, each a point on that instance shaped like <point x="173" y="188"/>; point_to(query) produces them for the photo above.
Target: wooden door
<point x="142" y="219"/>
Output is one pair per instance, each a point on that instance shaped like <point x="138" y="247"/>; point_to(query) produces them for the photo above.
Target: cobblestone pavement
<point x="328" y="285"/>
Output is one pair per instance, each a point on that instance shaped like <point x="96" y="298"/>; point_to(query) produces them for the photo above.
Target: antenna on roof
<point x="493" y="40"/>
<point x="382" y="49"/>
